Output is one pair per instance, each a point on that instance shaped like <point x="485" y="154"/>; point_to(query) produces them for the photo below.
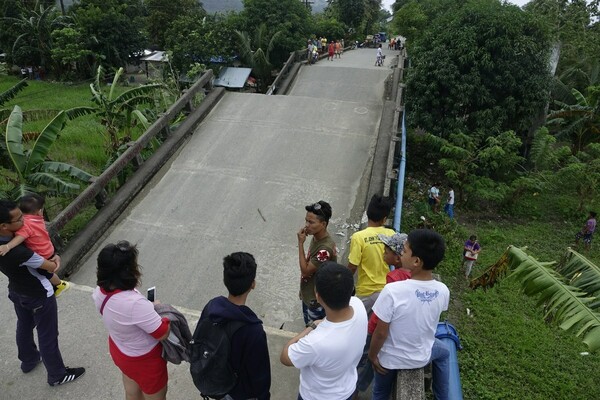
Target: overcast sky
<point x="388" y="3"/>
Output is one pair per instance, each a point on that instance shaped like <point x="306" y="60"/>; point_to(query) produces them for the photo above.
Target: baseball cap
<point x="394" y="242"/>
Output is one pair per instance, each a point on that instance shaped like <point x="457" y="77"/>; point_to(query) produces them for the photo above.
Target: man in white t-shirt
<point x="408" y="314"/>
<point x="434" y="197"/>
<point x="449" y="208"/>
<point x="327" y="351"/>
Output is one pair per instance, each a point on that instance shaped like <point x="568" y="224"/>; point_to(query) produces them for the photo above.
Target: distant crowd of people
<point x="317" y="46"/>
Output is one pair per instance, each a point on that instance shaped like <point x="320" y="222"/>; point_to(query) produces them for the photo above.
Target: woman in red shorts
<point x="135" y="329"/>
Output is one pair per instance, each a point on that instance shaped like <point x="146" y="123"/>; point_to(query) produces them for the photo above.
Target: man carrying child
<point x="36" y="237"/>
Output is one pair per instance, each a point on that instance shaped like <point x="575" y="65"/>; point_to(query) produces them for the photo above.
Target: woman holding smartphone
<point x="135" y="329"/>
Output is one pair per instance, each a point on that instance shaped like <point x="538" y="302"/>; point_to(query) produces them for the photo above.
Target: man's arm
<point x="307" y="268"/>
<point x="284" y="357"/>
<point x="379" y="336"/>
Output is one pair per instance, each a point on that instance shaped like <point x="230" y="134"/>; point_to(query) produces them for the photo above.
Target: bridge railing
<point x="83" y="241"/>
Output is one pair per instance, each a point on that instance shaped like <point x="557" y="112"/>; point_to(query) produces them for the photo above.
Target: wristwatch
<point x="312" y="325"/>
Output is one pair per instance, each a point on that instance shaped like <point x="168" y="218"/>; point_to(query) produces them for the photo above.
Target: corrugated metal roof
<point x="157" y="56"/>
<point x="232" y="77"/>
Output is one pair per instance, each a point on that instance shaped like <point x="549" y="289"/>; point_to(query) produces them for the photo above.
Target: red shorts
<point x="148" y="371"/>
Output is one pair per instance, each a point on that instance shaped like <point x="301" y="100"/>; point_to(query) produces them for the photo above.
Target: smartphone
<point x="152" y="293"/>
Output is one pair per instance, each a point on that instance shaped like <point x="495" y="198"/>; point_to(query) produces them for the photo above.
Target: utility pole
<point x="308" y="4"/>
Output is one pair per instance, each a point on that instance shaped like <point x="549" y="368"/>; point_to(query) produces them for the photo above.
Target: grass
<point x="509" y="350"/>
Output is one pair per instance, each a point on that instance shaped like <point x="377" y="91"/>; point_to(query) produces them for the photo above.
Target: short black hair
<point x="31" y="203"/>
<point x="379" y="208"/>
<point x="321" y="209"/>
<point x="239" y="271"/>
<point x="593" y="214"/>
<point x="473" y="237"/>
<point x="6" y="206"/>
<point x="335" y="284"/>
<point x="118" y="267"/>
<point x="428" y="245"/>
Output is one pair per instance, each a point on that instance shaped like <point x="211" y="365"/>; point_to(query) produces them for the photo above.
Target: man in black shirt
<point x="34" y="301"/>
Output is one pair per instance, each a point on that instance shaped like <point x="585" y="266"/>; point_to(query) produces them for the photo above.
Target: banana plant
<point x="120" y="113"/>
<point x="33" y="172"/>
<point x="570" y="306"/>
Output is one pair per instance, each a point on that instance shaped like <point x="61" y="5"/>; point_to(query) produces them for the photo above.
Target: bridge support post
<point x="409" y="385"/>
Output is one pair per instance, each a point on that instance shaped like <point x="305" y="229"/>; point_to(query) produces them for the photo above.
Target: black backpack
<point x="211" y="370"/>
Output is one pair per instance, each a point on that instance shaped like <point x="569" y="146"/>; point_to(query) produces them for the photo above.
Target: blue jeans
<point x="40" y="313"/>
<point x="312" y="314"/>
<point x="383" y="384"/>
<point x="449" y="208"/>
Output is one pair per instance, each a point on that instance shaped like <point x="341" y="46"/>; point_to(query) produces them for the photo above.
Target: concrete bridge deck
<point x="239" y="184"/>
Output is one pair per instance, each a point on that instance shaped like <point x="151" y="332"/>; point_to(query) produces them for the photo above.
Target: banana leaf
<point x="14" y="141"/>
<point x="581" y="273"/>
<point x="12" y="92"/>
<point x="44" y="141"/>
<point x="64" y="168"/>
<point x="492" y="275"/>
<point x="53" y="182"/>
<point x="568" y="304"/>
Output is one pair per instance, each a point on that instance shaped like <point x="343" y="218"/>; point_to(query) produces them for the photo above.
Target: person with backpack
<point x="230" y="357"/>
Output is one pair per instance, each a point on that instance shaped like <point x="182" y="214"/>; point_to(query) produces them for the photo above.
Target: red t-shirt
<point x="393" y="276"/>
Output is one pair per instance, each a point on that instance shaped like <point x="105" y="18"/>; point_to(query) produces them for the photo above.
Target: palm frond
<point x="568" y="305"/>
<point x="77" y="112"/>
<point x="14" y="141"/>
<point x="45" y="140"/>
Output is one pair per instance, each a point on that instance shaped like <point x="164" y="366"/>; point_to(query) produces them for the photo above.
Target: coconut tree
<point x="32" y="171"/>
<point x="256" y="54"/>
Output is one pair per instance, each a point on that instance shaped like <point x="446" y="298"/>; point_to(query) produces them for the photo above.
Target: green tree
<point x="481" y="69"/>
<point x="33" y="171"/>
<point x="256" y="53"/>
<point x="290" y="17"/>
<point x="350" y="12"/>
<point x="479" y="167"/>
<point x="116" y="27"/>
<point x="70" y="53"/>
<point x="162" y="15"/>
<point x="192" y="41"/>
<point x="410" y="20"/>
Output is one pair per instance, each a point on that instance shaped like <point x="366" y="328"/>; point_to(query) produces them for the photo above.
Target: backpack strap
<point x="232" y="326"/>
<point x="108" y="296"/>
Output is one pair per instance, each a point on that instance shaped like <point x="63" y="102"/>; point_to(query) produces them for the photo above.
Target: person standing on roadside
<point x="434" y="197"/>
<point x="449" y="207"/>
<point x="587" y="232"/>
<point x="322" y="248"/>
<point x="34" y="302"/>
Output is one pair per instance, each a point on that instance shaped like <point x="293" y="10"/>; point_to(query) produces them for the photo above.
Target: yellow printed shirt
<point x="366" y="252"/>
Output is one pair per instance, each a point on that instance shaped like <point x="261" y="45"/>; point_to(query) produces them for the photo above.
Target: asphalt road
<point x="242" y="181"/>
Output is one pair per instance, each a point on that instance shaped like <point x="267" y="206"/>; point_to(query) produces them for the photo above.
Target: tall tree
<point x="480" y="69"/>
<point x="163" y="14"/>
<point x="256" y="53"/>
<point x="116" y="26"/>
<point x="290" y="17"/>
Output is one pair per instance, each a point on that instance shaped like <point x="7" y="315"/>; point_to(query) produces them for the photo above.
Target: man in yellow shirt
<point x="366" y="252"/>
